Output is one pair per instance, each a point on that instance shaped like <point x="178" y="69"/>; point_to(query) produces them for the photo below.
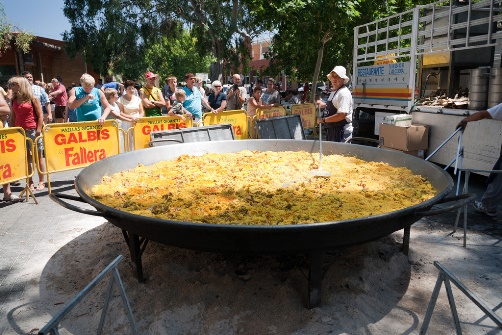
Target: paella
<point x="262" y="188"/>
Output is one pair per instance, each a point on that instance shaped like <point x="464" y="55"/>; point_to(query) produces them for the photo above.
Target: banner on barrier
<point x="237" y="118"/>
<point x="146" y="125"/>
<point x="307" y="112"/>
<point x="13" y="155"/>
<point x="272" y="112"/>
<point x="78" y="144"/>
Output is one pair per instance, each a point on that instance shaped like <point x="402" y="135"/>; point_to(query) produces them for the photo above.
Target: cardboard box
<point x="414" y="137"/>
<point x="401" y="120"/>
<point x="416" y="153"/>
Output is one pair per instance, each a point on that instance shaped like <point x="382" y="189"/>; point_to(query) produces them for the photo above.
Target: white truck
<point x="431" y="48"/>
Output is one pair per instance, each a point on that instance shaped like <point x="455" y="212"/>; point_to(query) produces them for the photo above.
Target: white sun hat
<point x="341" y="72"/>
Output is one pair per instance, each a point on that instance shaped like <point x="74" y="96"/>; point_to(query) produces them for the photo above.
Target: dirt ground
<point x="367" y="289"/>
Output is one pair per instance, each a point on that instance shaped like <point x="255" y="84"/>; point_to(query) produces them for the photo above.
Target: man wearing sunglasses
<point x="193" y="101"/>
<point x="152" y="98"/>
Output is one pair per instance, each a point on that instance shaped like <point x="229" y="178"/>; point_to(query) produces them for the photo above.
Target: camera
<point x="235" y="87"/>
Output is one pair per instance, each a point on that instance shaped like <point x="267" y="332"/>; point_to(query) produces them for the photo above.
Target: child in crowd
<point x="256" y="101"/>
<point x="177" y="108"/>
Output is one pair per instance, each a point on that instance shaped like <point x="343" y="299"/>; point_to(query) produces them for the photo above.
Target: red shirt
<point x="25" y="115"/>
<point x="61" y="98"/>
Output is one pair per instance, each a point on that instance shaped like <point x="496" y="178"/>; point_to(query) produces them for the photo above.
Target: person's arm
<point x="333" y="118"/>
<point x="121" y="89"/>
<point x="241" y="98"/>
<point x="161" y="102"/>
<point x="252" y="101"/>
<point x="222" y="107"/>
<point x="141" y="110"/>
<point x="168" y="105"/>
<point x="56" y="92"/>
<point x="205" y="103"/>
<point x="73" y="102"/>
<point x="12" y="120"/>
<point x="121" y="114"/>
<point x="320" y="103"/>
<point x="106" y="106"/>
<point x="147" y="103"/>
<point x="231" y="92"/>
<point x="37" y="107"/>
<point x="4" y="107"/>
<point x="474" y="117"/>
<point x="44" y="97"/>
<point x="49" y="111"/>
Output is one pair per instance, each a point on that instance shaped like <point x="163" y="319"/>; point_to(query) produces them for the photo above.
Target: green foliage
<point x="306" y="27"/>
<point x="20" y="39"/>
<point x="177" y="57"/>
<point x="105" y="31"/>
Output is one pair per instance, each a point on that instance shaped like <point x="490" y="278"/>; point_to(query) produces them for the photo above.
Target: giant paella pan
<point x="313" y="238"/>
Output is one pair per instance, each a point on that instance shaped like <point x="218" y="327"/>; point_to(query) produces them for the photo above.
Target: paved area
<point x="31" y="234"/>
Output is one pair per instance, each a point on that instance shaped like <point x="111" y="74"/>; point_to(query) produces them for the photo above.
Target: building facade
<point x="46" y="59"/>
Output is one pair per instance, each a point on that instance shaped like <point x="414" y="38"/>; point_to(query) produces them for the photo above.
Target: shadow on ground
<point x="192" y="292"/>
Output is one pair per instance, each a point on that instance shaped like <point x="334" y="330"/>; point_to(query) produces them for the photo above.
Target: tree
<point x="314" y="36"/>
<point x="12" y="39"/>
<point x="177" y="56"/>
<point x="105" y="31"/>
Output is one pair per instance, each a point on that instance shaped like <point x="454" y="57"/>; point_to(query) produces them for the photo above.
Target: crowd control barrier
<point x="76" y="145"/>
<point x="308" y="114"/>
<point x="262" y="113"/>
<point x="145" y="125"/>
<point x="14" y="158"/>
<point x="237" y="118"/>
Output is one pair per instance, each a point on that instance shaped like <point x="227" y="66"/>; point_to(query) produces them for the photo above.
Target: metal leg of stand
<point x="406" y="240"/>
<point x="134" y="245"/>
<point x="315" y="278"/>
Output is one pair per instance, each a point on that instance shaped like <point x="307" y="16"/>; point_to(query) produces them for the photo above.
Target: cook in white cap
<point x="337" y="115"/>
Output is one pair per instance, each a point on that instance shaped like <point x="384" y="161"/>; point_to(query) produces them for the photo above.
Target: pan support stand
<point x="137" y="246"/>
<point x="406" y="240"/>
<point x="316" y="261"/>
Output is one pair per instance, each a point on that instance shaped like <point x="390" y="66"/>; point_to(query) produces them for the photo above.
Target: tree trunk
<point x="320" y="54"/>
<point x="215" y="70"/>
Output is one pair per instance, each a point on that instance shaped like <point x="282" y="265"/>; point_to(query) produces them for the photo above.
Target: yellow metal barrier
<point x="145" y="125"/>
<point x="14" y="158"/>
<point x="307" y="113"/>
<point x="76" y="145"/>
<point x="271" y="112"/>
<point x="237" y="118"/>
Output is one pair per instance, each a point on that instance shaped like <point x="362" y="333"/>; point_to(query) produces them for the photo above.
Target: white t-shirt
<point x="130" y="107"/>
<point x="496" y="112"/>
<point x="342" y="100"/>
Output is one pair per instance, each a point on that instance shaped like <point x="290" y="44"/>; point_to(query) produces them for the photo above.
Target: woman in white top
<point x="130" y="105"/>
<point x="112" y="97"/>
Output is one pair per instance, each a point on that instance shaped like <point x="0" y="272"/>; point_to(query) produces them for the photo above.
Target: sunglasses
<point x="12" y="84"/>
<point x="217" y="86"/>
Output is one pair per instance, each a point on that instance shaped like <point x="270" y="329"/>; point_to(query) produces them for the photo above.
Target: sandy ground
<point x="367" y="289"/>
